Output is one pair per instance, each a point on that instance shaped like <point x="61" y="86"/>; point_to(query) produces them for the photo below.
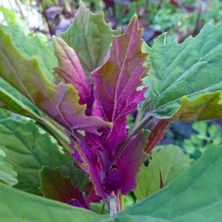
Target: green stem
<point x="59" y="135"/>
<point x="102" y="208"/>
<point x="140" y="113"/>
<point x="122" y="201"/>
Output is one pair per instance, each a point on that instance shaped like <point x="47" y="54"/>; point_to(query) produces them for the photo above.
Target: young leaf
<point x="16" y="205"/>
<point x="71" y="70"/>
<point x="116" y="95"/>
<point x="167" y="163"/>
<point x="116" y="82"/>
<point x="190" y="69"/>
<point x="58" y="101"/>
<point x="90" y="36"/>
<point x="7" y="174"/>
<point x="27" y="150"/>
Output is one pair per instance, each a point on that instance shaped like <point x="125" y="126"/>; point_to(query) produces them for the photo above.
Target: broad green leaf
<point x="7" y="174"/>
<point x="27" y="149"/>
<point x="14" y="101"/>
<point x="90" y="36"/>
<point x="193" y="196"/>
<point x="190" y="69"/>
<point x="166" y="164"/>
<point x="60" y="101"/>
<point x="32" y="46"/>
<point x="185" y="199"/>
<point x="19" y="206"/>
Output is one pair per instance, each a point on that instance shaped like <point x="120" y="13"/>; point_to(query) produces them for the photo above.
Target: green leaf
<point x="7" y="174"/>
<point x="14" y="101"/>
<point x="166" y="164"/>
<point x="27" y="149"/>
<point x="200" y="108"/>
<point x="19" y="206"/>
<point x="90" y="36"/>
<point x="191" y="69"/>
<point x="193" y="196"/>
<point x="33" y="46"/>
<point x="185" y="199"/>
<point x="26" y="73"/>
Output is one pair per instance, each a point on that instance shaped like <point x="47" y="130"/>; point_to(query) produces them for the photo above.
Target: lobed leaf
<point x="190" y="69"/>
<point x="116" y="82"/>
<point x="27" y="150"/>
<point x="33" y="46"/>
<point x="200" y="108"/>
<point x="90" y="36"/>
<point x="58" y="101"/>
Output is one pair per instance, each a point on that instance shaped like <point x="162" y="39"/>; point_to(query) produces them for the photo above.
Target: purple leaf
<point x="116" y="96"/>
<point x="156" y="135"/>
<point x="130" y="161"/>
<point x="59" y="101"/>
<point x="116" y="82"/>
<point x="71" y="71"/>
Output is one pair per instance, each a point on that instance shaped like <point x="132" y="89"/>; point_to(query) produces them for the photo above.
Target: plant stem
<point x="60" y="136"/>
<point x="112" y="205"/>
<point x="140" y="113"/>
<point x="103" y="207"/>
<point x="122" y="201"/>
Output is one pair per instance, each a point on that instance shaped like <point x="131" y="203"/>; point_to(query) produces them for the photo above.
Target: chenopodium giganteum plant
<point x="80" y="88"/>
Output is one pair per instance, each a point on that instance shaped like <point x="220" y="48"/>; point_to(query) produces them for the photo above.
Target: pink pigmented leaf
<point x="157" y="134"/>
<point x="116" y="82"/>
<point x="71" y="70"/>
<point x="59" y="101"/>
<point x="130" y="161"/>
<point x="93" y="168"/>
